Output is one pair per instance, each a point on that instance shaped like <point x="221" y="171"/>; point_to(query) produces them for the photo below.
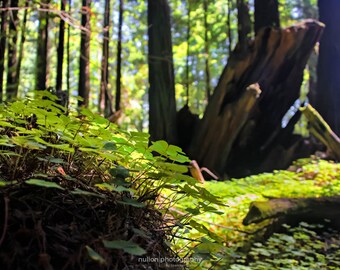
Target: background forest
<point x="227" y="83"/>
<point x="113" y="55"/>
<point x="203" y="34"/>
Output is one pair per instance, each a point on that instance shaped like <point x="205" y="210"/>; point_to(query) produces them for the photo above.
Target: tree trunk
<point x="68" y="60"/>
<point x="105" y="104"/>
<point x="237" y="124"/>
<point x="206" y="50"/>
<point x="266" y="14"/>
<point x="3" y="37"/>
<point x="12" y="62"/>
<point x="292" y="211"/>
<point x="60" y="51"/>
<point x="187" y="60"/>
<point x="229" y="34"/>
<point x="162" y="112"/>
<point x="22" y="43"/>
<point x="84" y="61"/>
<point x="42" y="49"/>
<point x="244" y="24"/>
<point x="327" y="100"/>
<point x="119" y="56"/>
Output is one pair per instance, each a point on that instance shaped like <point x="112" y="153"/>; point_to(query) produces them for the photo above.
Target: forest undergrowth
<point x="309" y="246"/>
<point x="77" y="192"/>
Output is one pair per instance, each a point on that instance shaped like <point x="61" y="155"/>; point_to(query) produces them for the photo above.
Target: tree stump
<point x="238" y="122"/>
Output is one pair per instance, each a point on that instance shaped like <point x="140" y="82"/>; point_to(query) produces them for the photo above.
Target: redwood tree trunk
<point x="68" y="60"/>
<point x="22" y="43"/>
<point x="239" y="122"/>
<point x="244" y="24"/>
<point x="206" y="50"/>
<point x="3" y="32"/>
<point x="60" y="51"/>
<point x="162" y="111"/>
<point x="105" y="104"/>
<point x="266" y="14"/>
<point x="84" y="61"/>
<point x="327" y="99"/>
<point x="42" y="49"/>
<point x="12" y="62"/>
<point x="119" y="57"/>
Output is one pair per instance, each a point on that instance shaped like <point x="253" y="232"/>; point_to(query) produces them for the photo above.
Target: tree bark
<point x="231" y="135"/>
<point x="105" y="103"/>
<point x="12" y="60"/>
<point x="68" y="60"/>
<point x="42" y="49"/>
<point x="327" y="99"/>
<point x="229" y="34"/>
<point x="84" y="61"/>
<point x="119" y="57"/>
<point x="22" y="43"/>
<point x="60" y="51"/>
<point x="162" y="112"/>
<point x="3" y="38"/>
<point x="206" y="50"/>
<point x="266" y="14"/>
<point x="187" y="60"/>
<point x="244" y="24"/>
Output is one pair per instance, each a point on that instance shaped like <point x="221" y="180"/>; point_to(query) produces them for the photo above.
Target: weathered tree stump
<point x="237" y="124"/>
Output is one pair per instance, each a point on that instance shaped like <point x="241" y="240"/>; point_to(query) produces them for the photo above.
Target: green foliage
<point x="87" y="155"/>
<point x="310" y="177"/>
<point x="94" y="255"/>
<point x="127" y="246"/>
<point x="301" y="248"/>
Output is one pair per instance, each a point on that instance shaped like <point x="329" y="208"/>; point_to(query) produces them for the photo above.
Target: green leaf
<point x="122" y="189"/>
<point x="86" y="193"/>
<point x="27" y="142"/>
<point x="6" y="124"/>
<point x="64" y="147"/>
<point x="131" y="202"/>
<point x="120" y="172"/>
<point x="56" y="160"/>
<point x="106" y="186"/>
<point x="110" y="146"/>
<point x="95" y="256"/>
<point x="87" y="112"/>
<point x="128" y="247"/>
<point x="45" y="93"/>
<point x="201" y="228"/>
<point x="3" y="183"/>
<point x="43" y="183"/>
<point x="140" y="233"/>
<point x="160" y="147"/>
<point x="194" y="211"/>
<point x="172" y="167"/>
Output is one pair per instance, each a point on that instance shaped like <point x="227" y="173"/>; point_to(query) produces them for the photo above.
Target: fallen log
<point x="294" y="210"/>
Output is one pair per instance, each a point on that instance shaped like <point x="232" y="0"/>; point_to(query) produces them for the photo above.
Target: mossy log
<point x="294" y="210"/>
<point x="322" y="131"/>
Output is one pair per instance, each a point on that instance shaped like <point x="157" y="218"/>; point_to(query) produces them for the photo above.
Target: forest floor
<point x="308" y="246"/>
